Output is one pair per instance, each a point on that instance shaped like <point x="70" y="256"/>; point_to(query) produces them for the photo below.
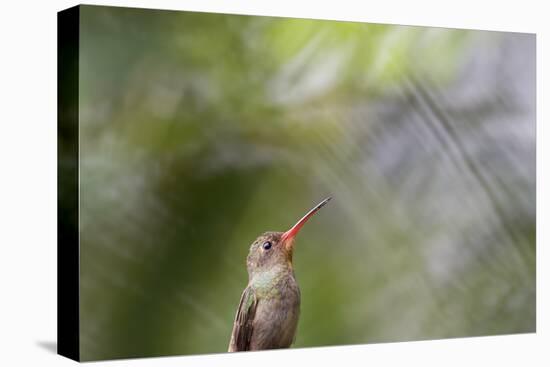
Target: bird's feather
<point x="244" y="321"/>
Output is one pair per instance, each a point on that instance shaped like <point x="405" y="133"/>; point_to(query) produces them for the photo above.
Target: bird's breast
<point x="277" y="313"/>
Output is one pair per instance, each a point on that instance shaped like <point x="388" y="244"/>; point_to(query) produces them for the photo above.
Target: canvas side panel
<point x="68" y="338"/>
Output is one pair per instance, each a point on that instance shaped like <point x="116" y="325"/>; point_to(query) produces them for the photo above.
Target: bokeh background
<point x="200" y="131"/>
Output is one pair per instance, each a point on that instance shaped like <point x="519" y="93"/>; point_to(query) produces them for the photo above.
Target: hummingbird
<point x="267" y="315"/>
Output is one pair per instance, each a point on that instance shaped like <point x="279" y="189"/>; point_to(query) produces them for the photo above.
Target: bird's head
<point x="276" y="248"/>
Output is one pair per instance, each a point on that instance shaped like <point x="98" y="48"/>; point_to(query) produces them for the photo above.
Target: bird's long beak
<point x="288" y="236"/>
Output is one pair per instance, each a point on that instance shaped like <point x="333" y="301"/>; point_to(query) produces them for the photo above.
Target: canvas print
<point x="232" y="183"/>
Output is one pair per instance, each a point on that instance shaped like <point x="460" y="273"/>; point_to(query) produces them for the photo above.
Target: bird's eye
<point x="266" y="245"/>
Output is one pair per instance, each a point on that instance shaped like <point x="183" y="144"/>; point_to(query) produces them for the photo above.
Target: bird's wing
<point x="243" y="324"/>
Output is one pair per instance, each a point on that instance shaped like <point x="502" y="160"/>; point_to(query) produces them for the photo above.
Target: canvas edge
<point x="68" y="251"/>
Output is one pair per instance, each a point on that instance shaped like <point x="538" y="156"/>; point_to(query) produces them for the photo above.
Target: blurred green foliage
<point x="200" y="131"/>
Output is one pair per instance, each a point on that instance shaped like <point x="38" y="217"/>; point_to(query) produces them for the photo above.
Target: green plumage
<point x="268" y="312"/>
